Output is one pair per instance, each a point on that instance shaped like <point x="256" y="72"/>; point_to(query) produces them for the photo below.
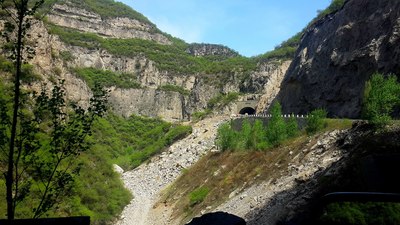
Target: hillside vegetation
<point x="98" y="191"/>
<point x="172" y="58"/>
<point x="106" y="78"/>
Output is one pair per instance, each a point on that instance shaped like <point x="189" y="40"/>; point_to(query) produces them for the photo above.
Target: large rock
<point x="338" y="54"/>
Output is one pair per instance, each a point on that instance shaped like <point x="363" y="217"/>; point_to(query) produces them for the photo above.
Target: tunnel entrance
<point x="248" y="111"/>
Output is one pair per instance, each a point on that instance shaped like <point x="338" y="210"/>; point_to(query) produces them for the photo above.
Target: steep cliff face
<point x="338" y="54"/>
<point x="274" y="74"/>
<point x="71" y="16"/>
<point x="146" y="101"/>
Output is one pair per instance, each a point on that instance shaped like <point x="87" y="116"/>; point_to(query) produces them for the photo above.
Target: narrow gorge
<point x="168" y="100"/>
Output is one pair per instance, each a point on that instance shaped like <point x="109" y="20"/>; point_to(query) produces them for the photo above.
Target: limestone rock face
<point x="68" y="15"/>
<point x="339" y="53"/>
<point x="149" y="100"/>
<point x="273" y="74"/>
<point x="144" y="70"/>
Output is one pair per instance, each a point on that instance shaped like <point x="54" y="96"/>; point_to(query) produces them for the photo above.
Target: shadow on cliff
<point x="371" y="164"/>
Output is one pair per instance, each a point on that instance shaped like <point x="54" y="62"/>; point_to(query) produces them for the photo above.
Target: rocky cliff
<point x="150" y="99"/>
<point x="71" y="15"/>
<point x="338" y="53"/>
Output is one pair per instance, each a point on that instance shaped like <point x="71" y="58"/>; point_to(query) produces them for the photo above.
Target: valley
<point x="158" y="156"/>
<point x="147" y="181"/>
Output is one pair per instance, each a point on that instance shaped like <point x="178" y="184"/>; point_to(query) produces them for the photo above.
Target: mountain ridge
<point x="203" y="70"/>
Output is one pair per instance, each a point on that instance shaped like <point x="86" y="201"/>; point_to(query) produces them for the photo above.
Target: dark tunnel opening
<point x="248" y="111"/>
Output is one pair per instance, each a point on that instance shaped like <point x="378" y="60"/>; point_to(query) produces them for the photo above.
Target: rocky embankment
<point x="148" y="180"/>
<point x="266" y="202"/>
<point x="279" y="199"/>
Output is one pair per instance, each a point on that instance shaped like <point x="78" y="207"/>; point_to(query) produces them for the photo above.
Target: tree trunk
<point x="10" y="174"/>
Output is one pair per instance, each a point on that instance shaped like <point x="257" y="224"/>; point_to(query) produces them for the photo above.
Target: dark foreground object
<point x="81" y="220"/>
<point x="217" y="218"/>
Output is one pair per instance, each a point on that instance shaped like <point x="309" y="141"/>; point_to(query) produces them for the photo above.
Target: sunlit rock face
<point x="339" y="53"/>
<point x="71" y="16"/>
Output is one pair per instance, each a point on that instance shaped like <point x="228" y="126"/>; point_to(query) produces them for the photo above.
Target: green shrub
<point x="175" y="133"/>
<point x="197" y="196"/>
<point x="256" y="136"/>
<point x="244" y="137"/>
<point x="28" y="75"/>
<point x="222" y="100"/>
<point x="292" y="127"/>
<point x="6" y="65"/>
<point x="226" y="138"/>
<point x="316" y="121"/>
<point x="66" y="56"/>
<point x="276" y="130"/>
<point x="106" y="78"/>
<point x="381" y="95"/>
<point x="333" y="7"/>
<point x="174" y="88"/>
<point x="200" y="115"/>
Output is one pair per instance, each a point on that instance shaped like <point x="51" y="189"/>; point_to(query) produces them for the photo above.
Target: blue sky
<point x="251" y="27"/>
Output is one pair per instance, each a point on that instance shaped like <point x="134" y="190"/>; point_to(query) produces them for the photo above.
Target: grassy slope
<point x="107" y="78"/>
<point x="98" y="191"/>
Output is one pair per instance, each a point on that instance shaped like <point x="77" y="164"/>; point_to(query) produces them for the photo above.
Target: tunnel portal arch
<point x="248" y="111"/>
